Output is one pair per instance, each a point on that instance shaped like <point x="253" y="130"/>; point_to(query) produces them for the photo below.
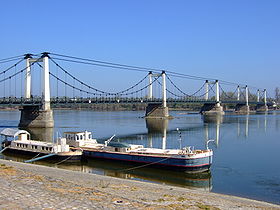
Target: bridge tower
<point x="157" y="110"/>
<point x="206" y="90"/>
<point x="242" y="107"/>
<point x="262" y="106"/>
<point x="37" y="116"/>
<point x="210" y="108"/>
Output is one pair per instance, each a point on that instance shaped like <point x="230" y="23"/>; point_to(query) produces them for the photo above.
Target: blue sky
<point x="231" y="40"/>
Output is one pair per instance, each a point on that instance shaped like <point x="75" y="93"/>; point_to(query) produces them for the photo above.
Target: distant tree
<point x="277" y="94"/>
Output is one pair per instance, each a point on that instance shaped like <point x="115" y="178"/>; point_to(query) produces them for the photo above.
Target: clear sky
<point x="231" y="40"/>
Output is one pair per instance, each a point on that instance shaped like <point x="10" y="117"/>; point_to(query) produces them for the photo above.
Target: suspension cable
<point x="101" y="65"/>
<point x="14" y="57"/>
<point x="227" y="96"/>
<point x="107" y="63"/>
<point x="11" y="67"/>
<point x="181" y="90"/>
<point x="73" y="77"/>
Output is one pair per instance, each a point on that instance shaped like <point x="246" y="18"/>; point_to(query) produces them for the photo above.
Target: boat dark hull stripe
<point x="170" y="162"/>
<point x="55" y="157"/>
<point x="147" y="155"/>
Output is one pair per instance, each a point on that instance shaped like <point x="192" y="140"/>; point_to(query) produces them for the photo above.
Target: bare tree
<point x="277" y="94"/>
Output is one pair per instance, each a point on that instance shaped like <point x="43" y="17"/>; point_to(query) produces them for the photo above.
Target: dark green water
<point x="246" y="147"/>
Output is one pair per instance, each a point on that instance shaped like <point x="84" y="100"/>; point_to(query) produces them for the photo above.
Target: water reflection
<point x="217" y="120"/>
<point x="157" y="126"/>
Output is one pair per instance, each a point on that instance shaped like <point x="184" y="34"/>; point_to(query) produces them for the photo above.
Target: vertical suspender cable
<point x="10" y="87"/>
<point x="65" y="86"/>
<point x="21" y="92"/>
<point x="57" y="82"/>
<point x="73" y="88"/>
<point x="15" y="81"/>
<point x="4" y="85"/>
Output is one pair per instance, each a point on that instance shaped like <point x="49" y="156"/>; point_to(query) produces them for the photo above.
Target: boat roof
<point x="118" y="144"/>
<point x="76" y="132"/>
<point x="36" y="143"/>
<point x="13" y="132"/>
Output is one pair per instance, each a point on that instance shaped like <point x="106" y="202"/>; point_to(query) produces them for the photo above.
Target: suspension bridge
<point x="20" y="85"/>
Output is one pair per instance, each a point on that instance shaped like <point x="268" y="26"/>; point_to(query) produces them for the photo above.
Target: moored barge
<point x="186" y="159"/>
<point x="19" y="142"/>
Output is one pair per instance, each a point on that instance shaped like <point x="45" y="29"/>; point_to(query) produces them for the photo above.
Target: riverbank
<point x="27" y="186"/>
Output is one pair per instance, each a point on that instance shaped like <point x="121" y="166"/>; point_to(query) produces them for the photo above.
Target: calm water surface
<point x="246" y="147"/>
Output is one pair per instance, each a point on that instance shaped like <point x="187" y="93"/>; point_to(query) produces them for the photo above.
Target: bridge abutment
<point x="32" y="116"/>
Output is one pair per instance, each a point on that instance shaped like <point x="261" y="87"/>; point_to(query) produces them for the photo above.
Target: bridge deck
<point x="38" y="101"/>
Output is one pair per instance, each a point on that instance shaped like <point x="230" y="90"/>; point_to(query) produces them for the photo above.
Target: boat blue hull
<point x="182" y="164"/>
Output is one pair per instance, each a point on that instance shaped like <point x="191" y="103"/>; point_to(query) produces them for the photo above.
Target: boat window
<point x="77" y="137"/>
<point x="34" y="147"/>
<point x="89" y="136"/>
<point x="81" y="137"/>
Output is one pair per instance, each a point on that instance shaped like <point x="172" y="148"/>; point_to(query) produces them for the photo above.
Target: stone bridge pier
<point x="37" y="116"/>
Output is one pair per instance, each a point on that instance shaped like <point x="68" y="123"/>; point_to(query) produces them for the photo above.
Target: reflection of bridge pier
<point x="212" y="119"/>
<point x="37" y="116"/>
<point x="155" y="126"/>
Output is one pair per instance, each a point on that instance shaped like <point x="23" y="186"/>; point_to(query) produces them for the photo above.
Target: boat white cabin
<point x="80" y="139"/>
<point x="20" y="140"/>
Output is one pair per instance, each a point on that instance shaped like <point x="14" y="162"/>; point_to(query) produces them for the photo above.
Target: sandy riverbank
<point x="30" y="186"/>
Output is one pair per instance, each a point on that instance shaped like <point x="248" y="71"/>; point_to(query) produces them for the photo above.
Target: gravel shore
<point x="30" y="186"/>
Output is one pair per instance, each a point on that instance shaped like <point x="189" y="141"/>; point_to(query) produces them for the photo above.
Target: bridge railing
<point x="112" y="100"/>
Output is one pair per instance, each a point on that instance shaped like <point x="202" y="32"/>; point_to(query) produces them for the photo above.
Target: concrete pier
<point x="242" y="108"/>
<point x="32" y="116"/>
<point x="157" y="110"/>
<point x="211" y="109"/>
<point x="261" y="108"/>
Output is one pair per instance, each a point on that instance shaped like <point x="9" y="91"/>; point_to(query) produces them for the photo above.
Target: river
<point x="246" y="147"/>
